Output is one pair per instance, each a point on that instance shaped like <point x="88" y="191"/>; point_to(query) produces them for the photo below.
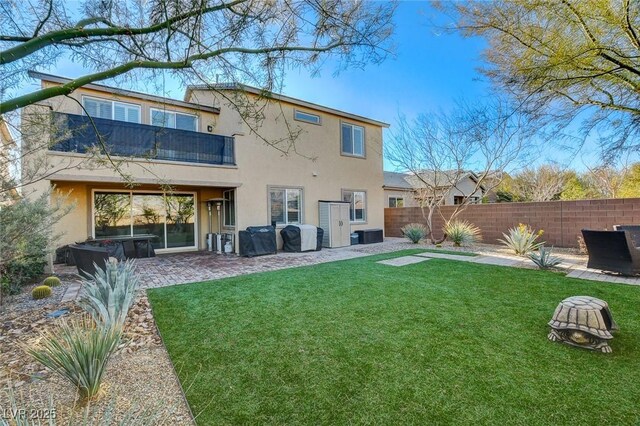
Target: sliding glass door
<point x="171" y="218"/>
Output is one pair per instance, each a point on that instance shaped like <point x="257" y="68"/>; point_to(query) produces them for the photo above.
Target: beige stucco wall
<point x="318" y="166"/>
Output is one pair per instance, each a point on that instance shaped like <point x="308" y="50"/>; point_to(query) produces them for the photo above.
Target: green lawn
<point x="355" y="342"/>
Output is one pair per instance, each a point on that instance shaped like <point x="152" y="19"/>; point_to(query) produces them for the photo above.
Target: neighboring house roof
<point x="433" y="178"/>
<point x="281" y="97"/>
<point x="395" y="180"/>
<point x="123" y="92"/>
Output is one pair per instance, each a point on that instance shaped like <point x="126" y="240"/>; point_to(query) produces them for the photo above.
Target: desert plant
<point x="51" y="282"/>
<point x="108" y="297"/>
<point x="78" y="352"/>
<point x="414" y="232"/>
<point x="522" y="239"/>
<point x="543" y="258"/>
<point x="41" y="292"/>
<point x="462" y="232"/>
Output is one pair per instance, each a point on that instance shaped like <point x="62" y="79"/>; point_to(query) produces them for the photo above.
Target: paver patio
<point x="181" y="268"/>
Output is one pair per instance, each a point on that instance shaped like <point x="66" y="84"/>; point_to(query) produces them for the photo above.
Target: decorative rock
<point x="584" y="322"/>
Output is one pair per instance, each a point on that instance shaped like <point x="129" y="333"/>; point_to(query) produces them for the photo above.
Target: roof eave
<point x="285" y="98"/>
<point x="117" y="91"/>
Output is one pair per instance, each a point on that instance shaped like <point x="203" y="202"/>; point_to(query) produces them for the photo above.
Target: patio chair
<point x="633" y="230"/>
<point x="612" y="251"/>
<point x="87" y="257"/>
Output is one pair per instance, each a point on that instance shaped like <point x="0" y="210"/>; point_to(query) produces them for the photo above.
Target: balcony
<point x="76" y="133"/>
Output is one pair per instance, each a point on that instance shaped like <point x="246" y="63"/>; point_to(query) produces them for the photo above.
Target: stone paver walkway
<point x="574" y="266"/>
<point x="182" y="268"/>
<point x="402" y="261"/>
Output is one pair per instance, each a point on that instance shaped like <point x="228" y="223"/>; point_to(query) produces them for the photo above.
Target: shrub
<point x="27" y="231"/>
<point x="78" y="352"/>
<point x="522" y="239"/>
<point x="108" y="297"/>
<point x="543" y="258"/>
<point x="414" y="232"/>
<point x="462" y="232"/>
<point x="51" y="282"/>
<point x="41" y="292"/>
<point x="18" y="273"/>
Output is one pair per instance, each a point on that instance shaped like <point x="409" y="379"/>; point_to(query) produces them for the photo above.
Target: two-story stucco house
<point x="197" y="149"/>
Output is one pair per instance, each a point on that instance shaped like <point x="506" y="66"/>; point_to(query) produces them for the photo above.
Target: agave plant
<point x="543" y="258"/>
<point x="108" y="297"/>
<point x="78" y="352"/>
<point x="462" y="232"/>
<point x="414" y="232"/>
<point x="522" y="239"/>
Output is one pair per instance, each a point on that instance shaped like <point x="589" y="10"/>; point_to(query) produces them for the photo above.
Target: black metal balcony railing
<point x="76" y="133"/>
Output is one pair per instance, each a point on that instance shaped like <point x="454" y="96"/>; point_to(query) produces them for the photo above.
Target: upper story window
<point x="111" y="110"/>
<point x="285" y="205"/>
<point x="174" y="120"/>
<point x="352" y="140"/>
<point x="306" y="116"/>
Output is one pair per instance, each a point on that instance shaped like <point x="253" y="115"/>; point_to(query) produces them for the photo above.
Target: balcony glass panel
<point x="77" y="133"/>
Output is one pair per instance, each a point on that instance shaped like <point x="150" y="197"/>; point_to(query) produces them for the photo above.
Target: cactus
<point x="41" y="292"/>
<point x="51" y="282"/>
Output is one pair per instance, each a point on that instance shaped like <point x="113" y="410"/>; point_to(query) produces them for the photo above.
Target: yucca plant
<point x="414" y="232"/>
<point x="522" y="239"/>
<point x="543" y="258"/>
<point x="462" y="232"/>
<point x="78" y="352"/>
<point x="108" y="297"/>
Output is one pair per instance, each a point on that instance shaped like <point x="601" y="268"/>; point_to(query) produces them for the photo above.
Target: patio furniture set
<point x="614" y="251"/>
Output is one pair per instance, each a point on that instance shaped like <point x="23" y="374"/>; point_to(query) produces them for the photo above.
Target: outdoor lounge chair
<point x="87" y="257"/>
<point x="633" y="230"/>
<point x="612" y="251"/>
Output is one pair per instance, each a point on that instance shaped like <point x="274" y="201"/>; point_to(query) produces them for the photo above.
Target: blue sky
<point x="429" y="71"/>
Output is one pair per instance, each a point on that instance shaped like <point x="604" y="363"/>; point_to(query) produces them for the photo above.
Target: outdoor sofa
<point x="87" y="258"/>
<point x="612" y="251"/>
<point x="633" y="230"/>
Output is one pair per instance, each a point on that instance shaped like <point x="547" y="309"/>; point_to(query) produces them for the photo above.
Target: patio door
<point x="170" y="217"/>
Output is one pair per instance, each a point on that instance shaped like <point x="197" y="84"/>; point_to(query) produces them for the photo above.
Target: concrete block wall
<point x="560" y="220"/>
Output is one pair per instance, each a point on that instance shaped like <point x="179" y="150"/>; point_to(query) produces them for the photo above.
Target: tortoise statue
<point x="583" y="321"/>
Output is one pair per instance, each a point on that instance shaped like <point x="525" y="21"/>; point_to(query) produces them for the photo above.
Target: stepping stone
<point x="402" y="261"/>
<point x="446" y="256"/>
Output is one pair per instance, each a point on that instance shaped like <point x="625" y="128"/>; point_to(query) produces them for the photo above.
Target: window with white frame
<point x="396" y="202"/>
<point x="357" y="204"/>
<point x="174" y="120"/>
<point x="306" y="116"/>
<point x="229" y="208"/>
<point x="352" y="140"/>
<point x="285" y="205"/>
<point x="111" y="110"/>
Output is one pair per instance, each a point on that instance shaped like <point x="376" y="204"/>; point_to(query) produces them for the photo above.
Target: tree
<point x="630" y="187"/>
<point x="251" y="41"/>
<point x="564" y="61"/>
<point x="437" y="150"/>
<point x="575" y="187"/>
<point x="543" y="183"/>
